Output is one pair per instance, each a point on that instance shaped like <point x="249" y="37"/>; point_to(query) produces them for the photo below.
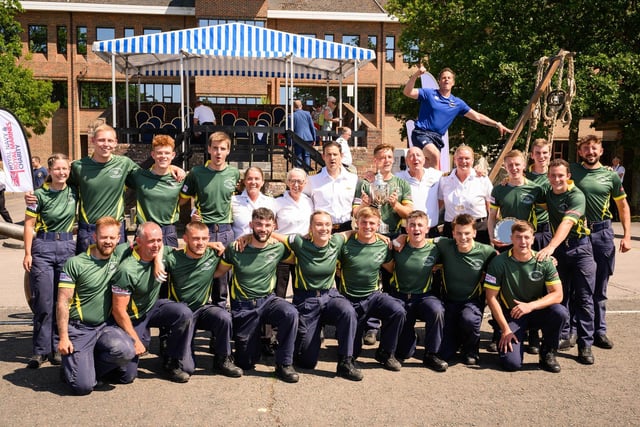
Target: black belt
<point x="543" y="227"/>
<point x="215" y="228"/>
<point x="405" y="297"/>
<point x="341" y="227"/>
<point x="311" y="292"/>
<point x="601" y="225"/>
<point x="54" y="235"/>
<point x="572" y="242"/>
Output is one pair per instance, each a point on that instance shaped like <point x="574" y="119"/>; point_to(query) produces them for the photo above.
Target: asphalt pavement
<point x="602" y="394"/>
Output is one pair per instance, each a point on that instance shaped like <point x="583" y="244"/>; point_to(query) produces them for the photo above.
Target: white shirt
<point x="334" y="196"/>
<point x="242" y="207"/>
<point x="293" y="217"/>
<point x="468" y="197"/>
<point x="346" y="151"/>
<point x="204" y="114"/>
<point x="620" y="171"/>
<point x="425" y="192"/>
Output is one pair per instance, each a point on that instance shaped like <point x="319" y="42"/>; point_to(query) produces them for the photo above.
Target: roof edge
<point x="330" y="16"/>
<point x="107" y="8"/>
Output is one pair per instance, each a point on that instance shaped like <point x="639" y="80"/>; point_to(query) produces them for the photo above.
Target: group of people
<point x="96" y="298"/>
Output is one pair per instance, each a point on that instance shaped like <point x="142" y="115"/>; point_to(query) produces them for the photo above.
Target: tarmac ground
<point x="605" y="393"/>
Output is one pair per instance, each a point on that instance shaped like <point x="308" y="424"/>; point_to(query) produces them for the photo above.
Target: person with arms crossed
<point x="46" y="252"/>
<point x="599" y="186"/>
<point x="92" y="346"/>
<point x="137" y="307"/>
<point x="438" y="108"/>
<point x="523" y="292"/>
<point x="253" y="301"/>
<point x="572" y="248"/>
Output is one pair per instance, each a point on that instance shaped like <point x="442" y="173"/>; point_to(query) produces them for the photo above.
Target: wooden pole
<point x="554" y="63"/>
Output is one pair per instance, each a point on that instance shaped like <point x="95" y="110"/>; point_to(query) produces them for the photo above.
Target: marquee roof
<point x="233" y="49"/>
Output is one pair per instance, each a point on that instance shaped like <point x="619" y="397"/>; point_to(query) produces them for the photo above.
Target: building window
<point x="95" y="95"/>
<point x="208" y="22"/>
<point x="351" y="40"/>
<point x="61" y="39"/>
<point x="372" y="43"/>
<point x="38" y="39"/>
<point x="390" y="48"/>
<point x="230" y="100"/>
<point x="59" y="93"/>
<point x="105" y="33"/>
<point x="312" y="35"/>
<point x="151" y="31"/>
<point x="329" y="37"/>
<point x="129" y="32"/>
<point x="158" y="92"/>
<point x="81" y="43"/>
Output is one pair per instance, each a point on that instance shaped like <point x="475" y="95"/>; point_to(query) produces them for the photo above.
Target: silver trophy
<point x="379" y="195"/>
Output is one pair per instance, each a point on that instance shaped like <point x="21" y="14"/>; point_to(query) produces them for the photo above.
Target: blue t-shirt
<point x="437" y="112"/>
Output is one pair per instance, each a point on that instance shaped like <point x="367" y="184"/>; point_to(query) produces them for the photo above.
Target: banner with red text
<point x="16" y="158"/>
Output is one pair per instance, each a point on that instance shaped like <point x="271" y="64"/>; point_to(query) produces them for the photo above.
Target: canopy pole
<point x="291" y="89"/>
<point x="355" y="102"/>
<point x="139" y="91"/>
<point x="126" y="97"/>
<point x="113" y="90"/>
<point x="182" y="144"/>
<point x="340" y="99"/>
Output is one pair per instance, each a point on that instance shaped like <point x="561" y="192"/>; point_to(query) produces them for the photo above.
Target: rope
<point x="565" y="115"/>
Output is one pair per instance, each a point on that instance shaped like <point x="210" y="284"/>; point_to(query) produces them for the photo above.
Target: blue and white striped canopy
<point x="233" y="49"/>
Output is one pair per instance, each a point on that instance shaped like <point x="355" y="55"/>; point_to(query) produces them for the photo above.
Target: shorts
<point x="421" y="138"/>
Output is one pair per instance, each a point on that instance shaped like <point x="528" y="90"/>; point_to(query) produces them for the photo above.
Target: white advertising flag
<point x="16" y="158"/>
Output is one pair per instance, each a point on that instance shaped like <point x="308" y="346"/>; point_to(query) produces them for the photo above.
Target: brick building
<point x="58" y="37"/>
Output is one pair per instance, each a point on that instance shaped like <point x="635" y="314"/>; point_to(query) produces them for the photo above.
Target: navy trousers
<point x="428" y="308"/>
<point x="318" y="308"/>
<point x="248" y="317"/>
<point x="549" y="319"/>
<point x="97" y="350"/>
<point x="384" y="307"/>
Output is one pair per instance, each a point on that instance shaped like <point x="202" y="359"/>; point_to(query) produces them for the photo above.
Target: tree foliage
<point x="492" y="46"/>
<point x="28" y="98"/>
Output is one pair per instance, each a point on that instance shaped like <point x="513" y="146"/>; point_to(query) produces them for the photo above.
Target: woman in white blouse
<point x="294" y="209"/>
<point x="251" y="198"/>
<point x="464" y="192"/>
